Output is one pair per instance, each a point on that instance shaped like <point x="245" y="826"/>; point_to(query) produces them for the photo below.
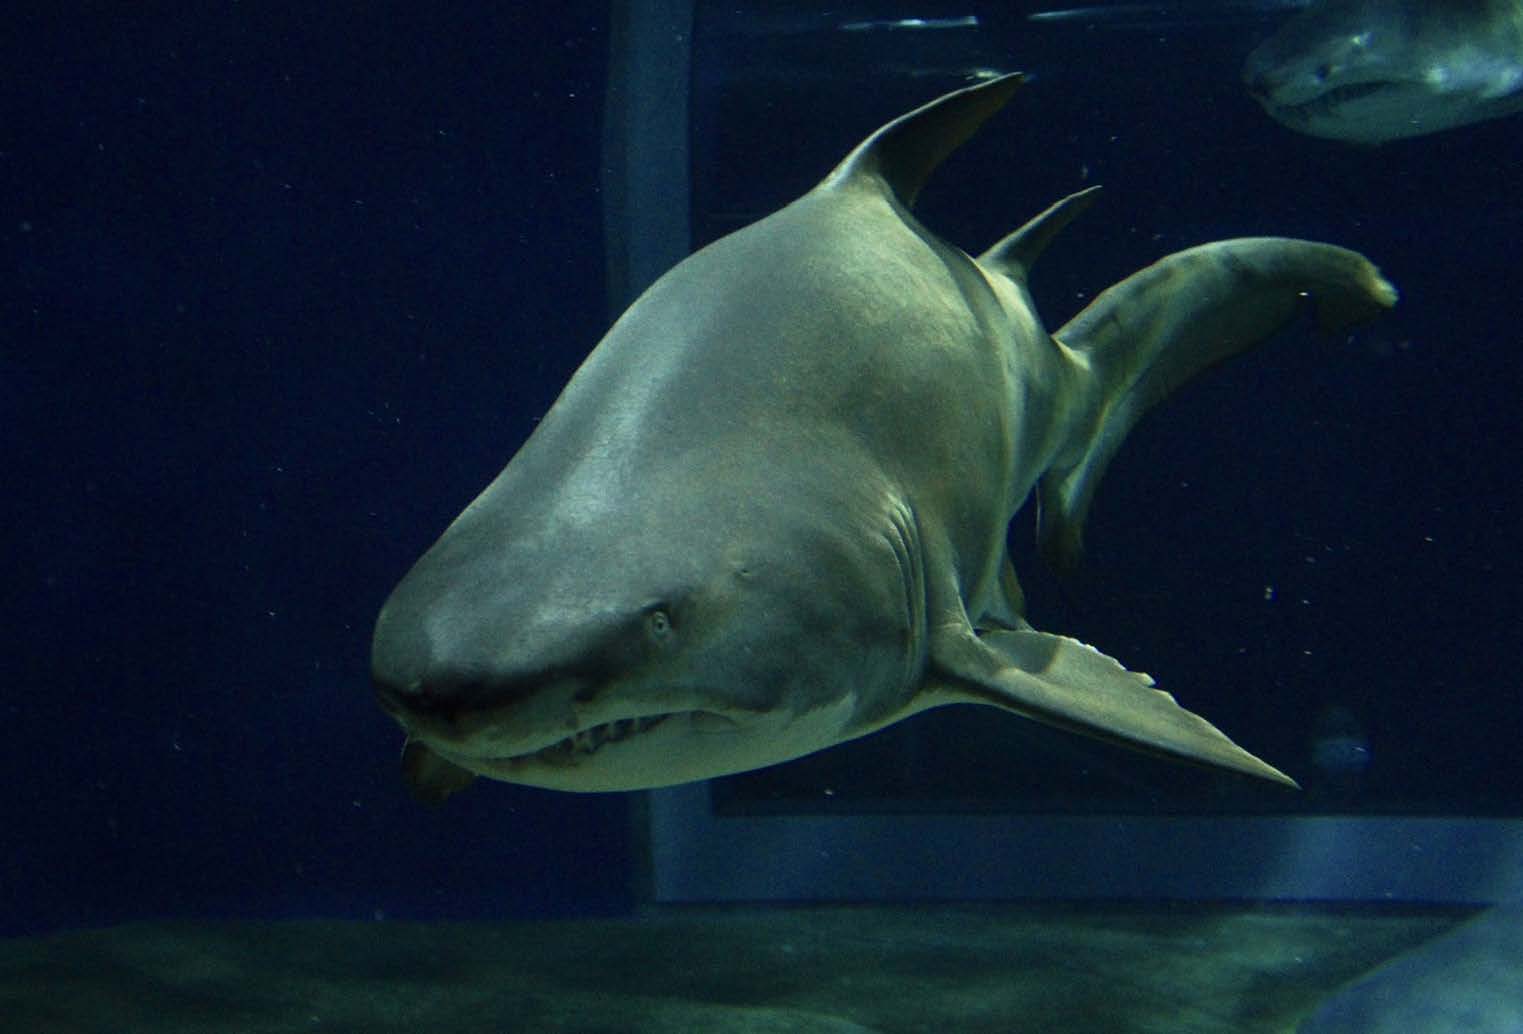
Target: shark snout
<point x="490" y="713"/>
<point x="442" y="650"/>
<point x="1257" y="81"/>
<point x="1269" y="83"/>
<point x="453" y="688"/>
<point x="438" y="704"/>
<point x="483" y="675"/>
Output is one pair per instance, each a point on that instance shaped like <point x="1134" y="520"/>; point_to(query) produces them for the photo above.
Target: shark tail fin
<point x="1158" y="328"/>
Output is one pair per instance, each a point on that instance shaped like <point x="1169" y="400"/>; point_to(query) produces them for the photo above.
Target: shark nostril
<point x="439" y="700"/>
<point x="446" y="696"/>
<point x="433" y="703"/>
<point x="392" y="696"/>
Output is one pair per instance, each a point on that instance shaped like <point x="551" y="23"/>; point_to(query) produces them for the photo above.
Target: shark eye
<point x="658" y="624"/>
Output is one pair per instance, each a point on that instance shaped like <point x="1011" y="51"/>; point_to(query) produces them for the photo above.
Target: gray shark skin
<point x="1467" y="981"/>
<point x="768" y="513"/>
<point x="1369" y="71"/>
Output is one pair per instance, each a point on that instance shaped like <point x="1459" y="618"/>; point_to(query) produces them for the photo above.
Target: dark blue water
<point x="286" y="285"/>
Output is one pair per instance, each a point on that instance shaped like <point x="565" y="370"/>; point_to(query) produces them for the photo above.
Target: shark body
<point x="768" y="513"/>
<point x="1369" y="71"/>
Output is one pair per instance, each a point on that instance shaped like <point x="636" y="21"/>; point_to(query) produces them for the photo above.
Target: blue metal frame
<point x="695" y="855"/>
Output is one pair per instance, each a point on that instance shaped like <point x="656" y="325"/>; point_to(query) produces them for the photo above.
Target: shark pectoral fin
<point x="431" y="778"/>
<point x="1147" y="335"/>
<point x="1062" y="682"/>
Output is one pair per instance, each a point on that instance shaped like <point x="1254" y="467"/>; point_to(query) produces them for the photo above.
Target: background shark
<point x="1468" y="981"/>
<point x="1368" y="71"/>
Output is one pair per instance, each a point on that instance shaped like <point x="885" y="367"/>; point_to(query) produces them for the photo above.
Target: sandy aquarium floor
<point x="944" y="969"/>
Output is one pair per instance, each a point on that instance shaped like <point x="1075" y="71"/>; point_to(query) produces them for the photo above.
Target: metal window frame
<point x="695" y="855"/>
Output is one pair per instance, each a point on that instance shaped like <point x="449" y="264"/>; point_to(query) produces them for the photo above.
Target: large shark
<point x="1369" y="71"/>
<point x="768" y="513"/>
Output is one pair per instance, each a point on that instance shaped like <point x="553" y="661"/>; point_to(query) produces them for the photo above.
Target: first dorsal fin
<point x="904" y="153"/>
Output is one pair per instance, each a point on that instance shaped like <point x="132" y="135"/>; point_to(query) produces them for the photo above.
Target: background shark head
<point x="642" y="634"/>
<point x="1368" y="71"/>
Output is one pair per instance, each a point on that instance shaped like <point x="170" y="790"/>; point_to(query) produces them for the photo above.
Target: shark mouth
<point x="589" y="741"/>
<point x="1327" y="103"/>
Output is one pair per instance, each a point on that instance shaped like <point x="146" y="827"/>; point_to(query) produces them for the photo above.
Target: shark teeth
<point x="1327" y="103"/>
<point x="589" y="741"/>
